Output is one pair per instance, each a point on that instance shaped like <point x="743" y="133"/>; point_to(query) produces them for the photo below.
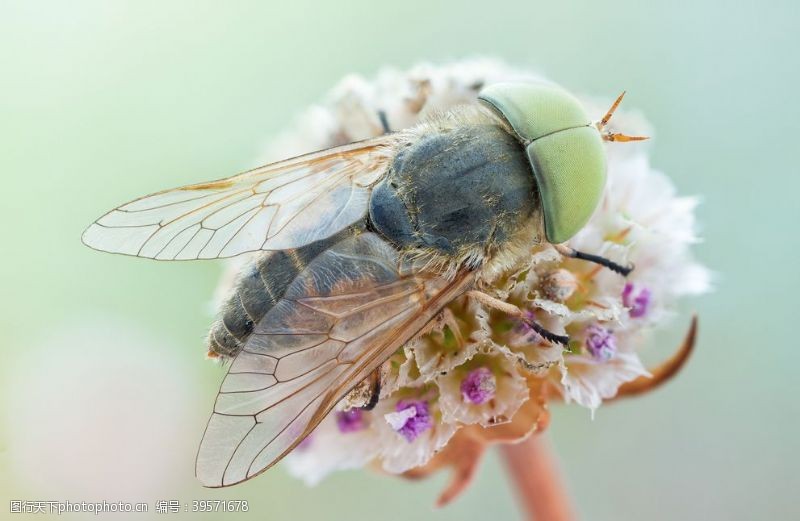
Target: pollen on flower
<point x="351" y="420"/>
<point x="600" y="342"/>
<point x="637" y="300"/>
<point x="410" y="419"/>
<point x="479" y="386"/>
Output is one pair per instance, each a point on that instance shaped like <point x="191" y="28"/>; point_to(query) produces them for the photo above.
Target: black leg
<point x="384" y="122"/>
<point x="519" y="314"/>
<point x="376" y="391"/>
<point x="547" y="335"/>
<point x="597" y="259"/>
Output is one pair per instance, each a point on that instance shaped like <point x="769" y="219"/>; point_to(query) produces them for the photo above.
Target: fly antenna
<point x="613" y="136"/>
<point x="622" y="138"/>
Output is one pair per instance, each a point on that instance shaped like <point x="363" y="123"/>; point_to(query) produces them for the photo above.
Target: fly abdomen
<point x="260" y="286"/>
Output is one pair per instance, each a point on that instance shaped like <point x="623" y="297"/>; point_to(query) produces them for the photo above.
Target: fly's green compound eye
<point x="570" y="170"/>
<point x="535" y="110"/>
<point x="565" y="151"/>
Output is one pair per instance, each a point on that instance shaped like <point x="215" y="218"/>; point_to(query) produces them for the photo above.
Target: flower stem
<point x="537" y="480"/>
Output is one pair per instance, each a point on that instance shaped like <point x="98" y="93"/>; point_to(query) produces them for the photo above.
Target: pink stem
<point x="537" y="480"/>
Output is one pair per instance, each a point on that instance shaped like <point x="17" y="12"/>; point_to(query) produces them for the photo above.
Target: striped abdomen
<point x="261" y="284"/>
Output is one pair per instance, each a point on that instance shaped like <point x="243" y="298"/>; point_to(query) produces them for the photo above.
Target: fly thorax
<point x="457" y="190"/>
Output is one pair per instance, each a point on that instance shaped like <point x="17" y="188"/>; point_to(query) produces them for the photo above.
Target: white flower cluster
<point x="476" y="366"/>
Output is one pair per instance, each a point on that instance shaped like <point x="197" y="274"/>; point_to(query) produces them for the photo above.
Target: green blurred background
<point x="105" y="391"/>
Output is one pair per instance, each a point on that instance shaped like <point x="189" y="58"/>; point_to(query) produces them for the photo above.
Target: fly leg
<point x="375" y="390"/>
<point x="597" y="259"/>
<point x="384" y="122"/>
<point x="366" y="394"/>
<point x="519" y="314"/>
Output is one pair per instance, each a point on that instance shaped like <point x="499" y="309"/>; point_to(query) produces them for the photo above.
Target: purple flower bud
<point x="636" y="304"/>
<point x="411" y="419"/>
<point x="478" y="386"/>
<point x="351" y="420"/>
<point x="600" y="342"/>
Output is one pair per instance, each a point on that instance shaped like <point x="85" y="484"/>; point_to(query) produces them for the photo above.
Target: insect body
<point x="364" y="244"/>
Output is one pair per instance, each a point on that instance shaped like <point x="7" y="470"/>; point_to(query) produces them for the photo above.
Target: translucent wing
<point x="278" y="206"/>
<point x="343" y="316"/>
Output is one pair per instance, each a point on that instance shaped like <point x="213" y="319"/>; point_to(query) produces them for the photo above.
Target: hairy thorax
<point x="459" y="191"/>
